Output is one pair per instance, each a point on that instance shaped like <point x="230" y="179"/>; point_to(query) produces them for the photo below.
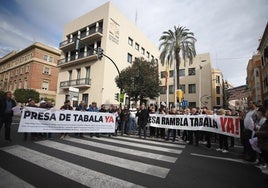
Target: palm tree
<point x="174" y="44"/>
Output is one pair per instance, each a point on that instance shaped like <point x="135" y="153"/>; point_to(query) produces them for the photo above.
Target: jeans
<point x="142" y="127"/>
<point x="124" y="127"/>
<point x="132" y="124"/>
<point x="7" y="120"/>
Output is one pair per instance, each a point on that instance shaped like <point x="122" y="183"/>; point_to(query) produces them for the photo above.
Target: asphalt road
<point x="121" y="162"/>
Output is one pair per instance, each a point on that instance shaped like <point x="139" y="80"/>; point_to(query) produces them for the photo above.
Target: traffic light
<point x="116" y="97"/>
<point x="180" y="95"/>
<point x="100" y="53"/>
<point x="122" y="96"/>
<point x="77" y="44"/>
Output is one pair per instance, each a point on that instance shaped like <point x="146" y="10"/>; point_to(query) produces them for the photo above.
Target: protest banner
<point x="59" y="121"/>
<point x="227" y="125"/>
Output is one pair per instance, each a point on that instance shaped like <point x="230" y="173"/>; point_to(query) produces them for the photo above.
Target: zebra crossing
<point x="95" y="162"/>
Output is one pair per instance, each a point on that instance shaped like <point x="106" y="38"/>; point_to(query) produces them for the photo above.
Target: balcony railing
<point x="83" y="35"/>
<point x="82" y="82"/>
<point x="74" y="57"/>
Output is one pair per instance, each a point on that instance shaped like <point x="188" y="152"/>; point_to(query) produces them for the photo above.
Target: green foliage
<point x="22" y="95"/>
<point x="140" y="80"/>
<point x="2" y="93"/>
<point x="176" y="44"/>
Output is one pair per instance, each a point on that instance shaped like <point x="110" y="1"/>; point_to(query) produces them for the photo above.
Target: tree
<point x="174" y="44"/>
<point x="2" y="94"/>
<point x="23" y="95"/>
<point x="140" y="80"/>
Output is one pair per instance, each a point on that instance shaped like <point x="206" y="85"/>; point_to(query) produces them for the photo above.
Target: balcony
<point x="79" y="58"/>
<point x="79" y="83"/>
<point x="90" y="35"/>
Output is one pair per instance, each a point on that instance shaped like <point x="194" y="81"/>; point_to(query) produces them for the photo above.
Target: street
<point x="121" y="162"/>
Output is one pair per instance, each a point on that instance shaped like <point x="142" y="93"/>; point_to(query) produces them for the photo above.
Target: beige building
<point x="263" y="50"/>
<point x="218" y="90"/>
<point x="94" y="79"/>
<point x="195" y="81"/>
<point x="254" y="79"/>
<point x="34" y="67"/>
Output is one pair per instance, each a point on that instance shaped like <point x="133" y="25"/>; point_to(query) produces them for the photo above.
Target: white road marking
<point x="125" y="150"/>
<point x="140" y="145"/>
<point x="152" y="142"/>
<point x="221" y="158"/>
<point x="8" y="180"/>
<point x="69" y="170"/>
<point x="108" y="159"/>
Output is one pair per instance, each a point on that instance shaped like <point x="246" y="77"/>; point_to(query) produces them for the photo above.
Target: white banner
<point x="65" y="121"/>
<point x="227" y="125"/>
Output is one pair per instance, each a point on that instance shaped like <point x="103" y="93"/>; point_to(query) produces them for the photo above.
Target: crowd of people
<point x="133" y="120"/>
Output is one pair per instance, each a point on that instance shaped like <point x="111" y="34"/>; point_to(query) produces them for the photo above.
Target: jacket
<point x="3" y="106"/>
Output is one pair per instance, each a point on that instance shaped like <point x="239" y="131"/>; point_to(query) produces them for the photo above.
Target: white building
<point x="104" y="27"/>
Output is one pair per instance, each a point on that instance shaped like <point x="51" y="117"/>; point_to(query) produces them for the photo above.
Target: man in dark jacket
<point x="143" y="115"/>
<point x="6" y="113"/>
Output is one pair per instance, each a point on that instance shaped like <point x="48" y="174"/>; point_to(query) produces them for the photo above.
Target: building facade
<point x="105" y="27"/>
<point x="195" y="82"/>
<point x="34" y="67"/>
<point x="254" y="79"/>
<point x="263" y="50"/>
<point x="218" y="90"/>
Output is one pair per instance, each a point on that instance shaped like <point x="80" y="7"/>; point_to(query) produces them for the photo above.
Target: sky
<point x="229" y="30"/>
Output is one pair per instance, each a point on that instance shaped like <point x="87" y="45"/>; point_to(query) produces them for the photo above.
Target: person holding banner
<point x="143" y="116"/>
<point x="6" y="113"/>
<point x="81" y="107"/>
<point x="94" y="108"/>
<point x="173" y="111"/>
<point x="223" y="139"/>
<point x="66" y="106"/>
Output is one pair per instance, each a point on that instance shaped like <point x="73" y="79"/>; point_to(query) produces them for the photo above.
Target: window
<point x="25" y="85"/>
<point x="27" y="68"/>
<point x="182" y="72"/>
<point x="257" y="73"/>
<point x="191" y="71"/>
<point x="152" y="57"/>
<point x="78" y="73"/>
<point x="137" y="46"/>
<point x="45" y="57"/>
<point x="218" y="80"/>
<point x="163" y="74"/>
<point x="182" y="87"/>
<point x="192" y="104"/>
<point x="218" y="90"/>
<point x="147" y="54"/>
<point x="129" y="58"/>
<point x="171" y="73"/>
<point x="218" y="101"/>
<point x="163" y="90"/>
<point x="130" y="41"/>
<point x="20" y="85"/>
<point x="171" y="89"/>
<point x="45" y="84"/>
<point x="70" y="74"/>
<point x="21" y="70"/>
<point x="87" y="72"/>
<point x="51" y="59"/>
<point x="192" y="88"/>
<point x="46" y="70"/>
<point x="142" y="51"/>
<point x="17" y="71"/>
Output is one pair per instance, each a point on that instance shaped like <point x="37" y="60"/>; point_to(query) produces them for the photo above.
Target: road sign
<point x="185" y="103"/>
